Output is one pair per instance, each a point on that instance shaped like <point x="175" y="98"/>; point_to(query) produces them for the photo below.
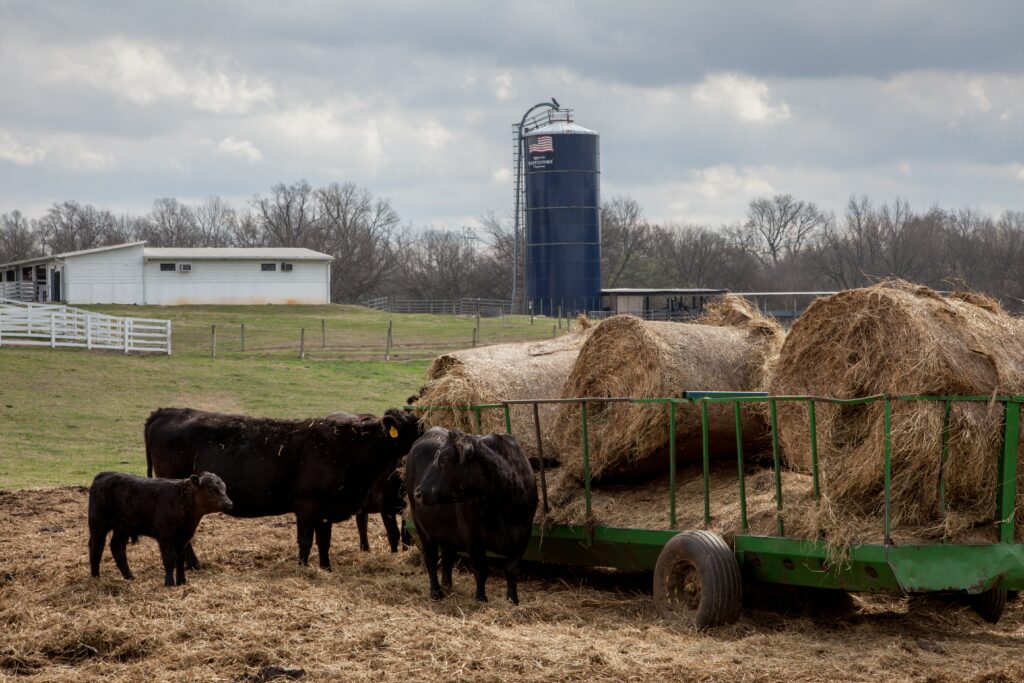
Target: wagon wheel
<point x="697" y="581"/>
<point x="990" y="604"/>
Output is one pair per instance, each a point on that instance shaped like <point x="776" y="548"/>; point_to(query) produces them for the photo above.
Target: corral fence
<point x="18" y="291"/>
<point x="54" y="325"/>
<point x="482" y="307"/>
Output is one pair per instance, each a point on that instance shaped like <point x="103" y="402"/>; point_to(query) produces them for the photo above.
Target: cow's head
<point x="455" y="474"/>
<point x="401" y="429"/>
<point x="211" y="493"/>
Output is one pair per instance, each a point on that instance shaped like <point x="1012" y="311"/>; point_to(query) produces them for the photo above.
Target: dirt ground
<point x="371" y="619"/>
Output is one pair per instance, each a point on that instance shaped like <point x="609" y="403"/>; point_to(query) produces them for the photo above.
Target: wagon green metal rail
<point x="697" y="576"/>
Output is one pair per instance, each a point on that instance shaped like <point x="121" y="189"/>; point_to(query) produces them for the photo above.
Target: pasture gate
<point x="54" y="325"/>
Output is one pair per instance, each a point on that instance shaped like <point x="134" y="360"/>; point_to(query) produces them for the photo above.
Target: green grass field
<point x="66" y="414"/>
<point x="332" y="331"/>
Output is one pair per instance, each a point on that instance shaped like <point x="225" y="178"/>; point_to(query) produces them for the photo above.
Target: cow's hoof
<point x="127" y="577"/>
<point x="168" y="583"/>
<point x="437" y="594"/>
<point x="181" y="582"/>
<point x="326" y="567"/>
<point x="365" y="548"/>
<point x="194" y="566"/>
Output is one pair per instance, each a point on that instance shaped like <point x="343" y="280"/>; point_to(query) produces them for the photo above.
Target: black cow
<point x="386" y="497"/>
<point x="168" y="510"/>
<point x="473" y="494"/>
<point x="319" y="469"/>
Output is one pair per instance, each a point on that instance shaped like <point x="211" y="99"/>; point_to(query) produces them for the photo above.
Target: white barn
<point x="136" y="274"/>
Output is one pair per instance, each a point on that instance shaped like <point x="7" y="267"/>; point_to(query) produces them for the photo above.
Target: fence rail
<point x="60" y="326"/>
<point x="18" y="291"/>
<point x="485" y="307"/>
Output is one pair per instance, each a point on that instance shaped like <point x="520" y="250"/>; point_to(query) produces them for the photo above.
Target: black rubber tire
<point x="697" y="581"/>
<point x="990" y="604"/>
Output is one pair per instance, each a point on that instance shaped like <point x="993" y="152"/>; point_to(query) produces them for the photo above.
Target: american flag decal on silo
<point x="543" y="144"/>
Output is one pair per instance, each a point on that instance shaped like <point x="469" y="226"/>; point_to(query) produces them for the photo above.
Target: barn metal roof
<point x="70" y="254"/>
<point x="234" y="254"/>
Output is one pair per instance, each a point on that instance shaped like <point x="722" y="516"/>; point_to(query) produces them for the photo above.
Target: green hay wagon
<point x="698" y="577"/>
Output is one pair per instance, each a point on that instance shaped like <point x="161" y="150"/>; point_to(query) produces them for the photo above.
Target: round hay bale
<point x="897" y="338"/>
<point x="630" y="357"/>
<point x="490" y="374"/>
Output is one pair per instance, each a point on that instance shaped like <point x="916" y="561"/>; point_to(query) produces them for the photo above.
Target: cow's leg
<point x="512" y="580"/>
<point x="191" y="561"/>
<point x="97" y="539"/>
<point x="481" y="568"/>
<point x="323" y="543"/>
<point x="447" y="562"/>
<point x="430" y="561"/>
<point x="118" y="544"/>
<point x="179" y="565"/>
<point x="304" y="525"/>
<point x="362" y="520"/>
<point x="391" y="526"/>
<point x="169" y="556"/>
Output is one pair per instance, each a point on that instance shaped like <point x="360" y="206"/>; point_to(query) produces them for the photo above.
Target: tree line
<point x="782" y="243"/>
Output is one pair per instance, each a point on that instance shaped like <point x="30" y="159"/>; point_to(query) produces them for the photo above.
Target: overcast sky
<point x="701" y="106"/>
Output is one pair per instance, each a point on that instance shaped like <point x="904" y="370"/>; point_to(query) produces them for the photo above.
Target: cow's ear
<point x="194" y="479"/>
<point x="390" y="426"/>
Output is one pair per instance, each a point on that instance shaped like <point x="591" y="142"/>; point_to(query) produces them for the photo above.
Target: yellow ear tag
<point x="393" y="433"/>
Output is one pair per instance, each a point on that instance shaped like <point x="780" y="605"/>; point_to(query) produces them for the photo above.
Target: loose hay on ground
<point x="499" y="372"/>
<point x="899" y="338"/>
<point x="629" y="357"/>
<point x="371" y="620"/>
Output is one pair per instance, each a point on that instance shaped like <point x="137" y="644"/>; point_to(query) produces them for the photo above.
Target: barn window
<point x="167" y="267"/>
<point x="286" y="267"/>
<point x="268" y="266"/>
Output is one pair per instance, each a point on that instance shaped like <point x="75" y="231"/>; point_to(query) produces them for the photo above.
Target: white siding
<point x="105" y="277"/>
<point x="237" y="282"/>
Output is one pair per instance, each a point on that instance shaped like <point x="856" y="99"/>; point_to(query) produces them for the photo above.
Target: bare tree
<point x="169" y="224"/>
<point x="359" y="230"/>
<point x="288" y="216"/>
<point x="215" y="223"/>
<point x="779" y="227"/>
<point x="247" y="232"/>
<point x="17" y="238"/>
<point x="625" y="237"/>
<point x="436" y="265"/>
<point x="70" y="226"/>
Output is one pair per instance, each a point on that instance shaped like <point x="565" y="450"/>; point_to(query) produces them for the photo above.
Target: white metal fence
<point x="18" y="291"/>
<point x="61" y="326"/>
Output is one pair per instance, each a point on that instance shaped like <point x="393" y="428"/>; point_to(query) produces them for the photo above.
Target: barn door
<point x="55" y="293"/>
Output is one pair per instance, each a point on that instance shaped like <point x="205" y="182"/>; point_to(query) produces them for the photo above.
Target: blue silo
<point x="563" y="218"/>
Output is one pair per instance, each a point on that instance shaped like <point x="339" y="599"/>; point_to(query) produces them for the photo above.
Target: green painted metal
<point x="1006" y="493"/>
<point x="508" y="419"/>
<point x="478" y="420"/>
<point x="947" y="406"/>
<point x="706" y="463"/>
<point x="672" y="464"/>
<point x="878" y="568"/>
<point x="776" y="559"/>
<point x="812" y="415"/>
<point x="738" y="418"/>
<point x="887" y="470"/>
<point x="586" y="455"/>
<point x="776" y="466"/>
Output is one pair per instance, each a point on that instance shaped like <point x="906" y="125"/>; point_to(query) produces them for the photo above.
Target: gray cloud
<point x="700" y="106"/>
